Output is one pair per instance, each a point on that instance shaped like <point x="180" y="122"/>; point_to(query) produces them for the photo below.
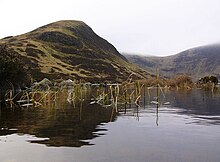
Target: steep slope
<point x="197" y="62"/>
<point x="70" y="49"/>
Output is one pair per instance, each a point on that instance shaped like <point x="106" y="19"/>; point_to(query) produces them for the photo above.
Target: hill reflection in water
<point x="61" y="125"/>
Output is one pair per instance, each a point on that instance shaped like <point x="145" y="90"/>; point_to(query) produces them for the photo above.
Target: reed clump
<point x="208" y="83"/>
<point x="180" y="82"/>
<point x="177" y="82"/>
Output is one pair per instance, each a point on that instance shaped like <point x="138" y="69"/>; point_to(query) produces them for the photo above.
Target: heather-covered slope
<point x="70" y="49"/>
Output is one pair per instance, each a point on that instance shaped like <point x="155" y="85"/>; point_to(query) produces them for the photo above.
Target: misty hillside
<point x="196" y="62"/>
<point x="70" y="49"/>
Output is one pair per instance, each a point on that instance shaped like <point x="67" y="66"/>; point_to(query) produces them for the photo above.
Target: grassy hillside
<point x="197" y="62"/>
<point x="70" y="49"/>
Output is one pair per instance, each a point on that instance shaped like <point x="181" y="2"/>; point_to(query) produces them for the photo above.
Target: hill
<point x="196" y="62"/>
<point x="70" y="49"/>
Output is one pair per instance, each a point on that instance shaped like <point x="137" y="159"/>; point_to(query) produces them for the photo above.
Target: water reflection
<point x="58" y="125"/>
<point x="202" y="106"/>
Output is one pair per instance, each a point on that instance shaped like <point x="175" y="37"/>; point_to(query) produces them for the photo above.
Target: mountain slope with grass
<point x="196" y="62"/>
<point x="70" y="49"/>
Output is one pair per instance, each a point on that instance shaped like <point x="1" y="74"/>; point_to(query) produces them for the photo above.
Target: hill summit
<point x="70" y="49"/>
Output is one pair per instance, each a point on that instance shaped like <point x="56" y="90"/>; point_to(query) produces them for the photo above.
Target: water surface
<point x="185" y="128"/>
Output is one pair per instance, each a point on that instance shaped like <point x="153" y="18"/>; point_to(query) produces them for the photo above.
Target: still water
<point x="185" y="128"/>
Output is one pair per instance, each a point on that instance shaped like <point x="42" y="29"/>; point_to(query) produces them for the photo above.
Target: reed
<point x="9" y="98"/>
<point x="144" y="96"/>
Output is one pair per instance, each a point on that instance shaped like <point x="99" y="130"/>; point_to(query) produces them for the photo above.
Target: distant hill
<point x="70" y="49"/>
<point x="196" y="62"/>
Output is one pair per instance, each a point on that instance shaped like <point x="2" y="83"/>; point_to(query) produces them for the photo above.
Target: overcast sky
<point x="155" y="27"/>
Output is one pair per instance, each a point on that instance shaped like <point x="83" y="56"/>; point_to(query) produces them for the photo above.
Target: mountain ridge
<point x="196" y="62"/>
